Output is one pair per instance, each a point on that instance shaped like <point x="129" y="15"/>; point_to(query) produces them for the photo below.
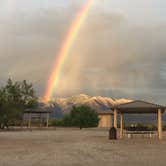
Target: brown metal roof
<point x="37" y="111"/>
<point x="139" y="106"/>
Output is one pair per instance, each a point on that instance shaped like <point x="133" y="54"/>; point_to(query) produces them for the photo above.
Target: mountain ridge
<point x="61" y="106"/>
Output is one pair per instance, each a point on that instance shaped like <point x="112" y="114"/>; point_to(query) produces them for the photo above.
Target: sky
<point x="119" y="52"/>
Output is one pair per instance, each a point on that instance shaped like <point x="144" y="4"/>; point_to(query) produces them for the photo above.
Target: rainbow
<point x="64" y="51"/>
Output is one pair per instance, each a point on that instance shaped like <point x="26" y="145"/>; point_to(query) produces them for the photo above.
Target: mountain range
<point x="61" y="106"/>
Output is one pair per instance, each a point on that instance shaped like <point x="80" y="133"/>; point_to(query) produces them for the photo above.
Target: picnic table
<point x="130" y="134"/>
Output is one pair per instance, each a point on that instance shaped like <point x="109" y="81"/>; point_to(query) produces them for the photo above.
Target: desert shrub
<point x="152" y="127"/>
<point x="82" y="117"/>
<point x="141" y="127"/>
<point x="68" y="121"/>
<point x="56" y="122"/>
<point x="164" y="127"/>
<point x="16" y="122"/>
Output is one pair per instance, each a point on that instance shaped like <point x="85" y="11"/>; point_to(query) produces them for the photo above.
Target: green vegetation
<point x="80" y="116"/>
<point x="83" y="116"/>
<point x="15" y="97"/>
<point x="56" y="122"/>
<point x="141" y="127"/>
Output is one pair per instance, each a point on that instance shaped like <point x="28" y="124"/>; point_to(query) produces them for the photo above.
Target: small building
<point x="39" y="114"/>
<point x="106" y="118"/>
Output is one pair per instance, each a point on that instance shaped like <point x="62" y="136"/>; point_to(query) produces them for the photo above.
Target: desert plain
<point x="74" y="147"/>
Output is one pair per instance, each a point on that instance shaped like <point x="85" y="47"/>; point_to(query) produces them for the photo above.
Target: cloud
<point x="120" y="58"/>
<point x="112" y="55"/>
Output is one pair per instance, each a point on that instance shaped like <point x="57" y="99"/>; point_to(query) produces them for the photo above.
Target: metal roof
<point x="139" y="106"/>
<point x="37" y="111"/>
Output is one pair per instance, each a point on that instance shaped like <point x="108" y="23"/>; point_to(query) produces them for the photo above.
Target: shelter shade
<point x="159" y="124"/>
<point x="121" y="124"/>
<point x="40" y="114"/>
<point x="139" y="107"/>
<point x="115" y="118"/>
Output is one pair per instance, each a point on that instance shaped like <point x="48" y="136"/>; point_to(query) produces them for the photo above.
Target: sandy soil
<point x="72" y="147"/>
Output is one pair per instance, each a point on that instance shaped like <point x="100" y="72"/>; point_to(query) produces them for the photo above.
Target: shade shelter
<point x="138" y="107"/>
<point x="36" y="113"/>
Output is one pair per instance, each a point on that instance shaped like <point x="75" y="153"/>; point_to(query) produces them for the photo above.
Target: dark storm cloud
<point x="30" y="40"/>
<point x="122" y="59"/>
<point x="111" y="56"/>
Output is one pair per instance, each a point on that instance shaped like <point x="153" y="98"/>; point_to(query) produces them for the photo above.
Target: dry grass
<point x="72" y="147"/>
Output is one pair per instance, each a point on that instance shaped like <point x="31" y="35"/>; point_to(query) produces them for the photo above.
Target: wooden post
<point x="159" y="124"/>
<point x="115" y="118"/>
<point x="121" y="125"/>
<point x="21" y="124"/>
<point x="29" y="121"/>
<point x="40" y="120"/>
<point x="47" y="119"/>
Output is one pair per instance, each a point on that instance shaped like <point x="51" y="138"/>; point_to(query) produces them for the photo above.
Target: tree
<point x="15" y="97"/>
<point x="83" y="117"/>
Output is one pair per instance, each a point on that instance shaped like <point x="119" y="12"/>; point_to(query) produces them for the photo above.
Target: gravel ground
<point x="72" y="147"/>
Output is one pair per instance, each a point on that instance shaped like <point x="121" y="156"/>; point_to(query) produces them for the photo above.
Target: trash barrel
<point x="112" y="133"/>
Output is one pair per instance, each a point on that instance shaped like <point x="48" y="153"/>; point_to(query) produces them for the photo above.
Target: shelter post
<point x="121" y="124"/>
<point x="47" y="119"/>
<point x="29" y="120"/>
<point x="115" y="118"/>
<point x="159" y="124"/>
<point x="40" y="120"/>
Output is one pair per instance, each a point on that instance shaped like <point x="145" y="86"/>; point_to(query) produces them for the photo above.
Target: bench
<point x="131" y="133"/>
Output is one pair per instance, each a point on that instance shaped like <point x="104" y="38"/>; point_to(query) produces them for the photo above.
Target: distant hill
<point x="61" y="106"/>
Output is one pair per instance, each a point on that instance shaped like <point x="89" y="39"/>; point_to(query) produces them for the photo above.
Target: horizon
<point x="119" y="51"/>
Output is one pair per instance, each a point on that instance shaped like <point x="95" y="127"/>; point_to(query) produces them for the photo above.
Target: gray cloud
<point x="111" y="56"/>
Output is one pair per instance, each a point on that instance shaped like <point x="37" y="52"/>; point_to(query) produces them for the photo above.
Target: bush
<point x="68" y="121"/>
<point x="141" y="127"/>
<point x="56" y="122"/>
<point x="81" y="116"/>
<point x="164" y="128"/>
